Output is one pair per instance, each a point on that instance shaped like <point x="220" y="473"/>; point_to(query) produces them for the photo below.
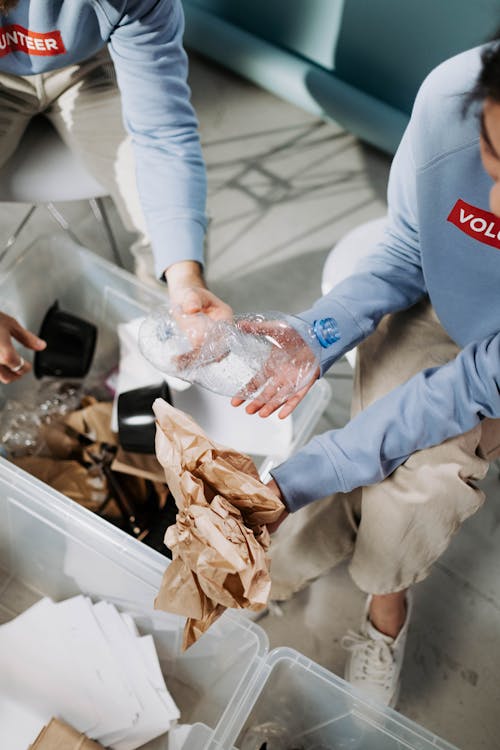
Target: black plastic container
<point x="70" y="348"/>
<point x="136" y="420"/>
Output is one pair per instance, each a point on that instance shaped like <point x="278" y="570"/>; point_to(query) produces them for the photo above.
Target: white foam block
<point x="232" y="426"/>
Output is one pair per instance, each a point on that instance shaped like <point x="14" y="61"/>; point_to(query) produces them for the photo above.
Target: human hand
<point x="12" y="365"/>
<point x="196" y="300"/>
<point x="202" y="317"/>
<point x="189" y="294"/>
<point x="196" y="311"/>
<point x="272" y="527"/>
<point x="290" y="364"/>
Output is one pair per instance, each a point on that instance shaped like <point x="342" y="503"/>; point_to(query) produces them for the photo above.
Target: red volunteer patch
<point x="17" y="38"/>
<point x="482" y="225"/>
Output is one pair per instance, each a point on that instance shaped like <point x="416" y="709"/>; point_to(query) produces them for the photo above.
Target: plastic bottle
<point x="272" y="352"/>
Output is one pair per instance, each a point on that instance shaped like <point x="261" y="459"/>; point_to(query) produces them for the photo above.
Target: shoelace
<point x="378" y="658"/>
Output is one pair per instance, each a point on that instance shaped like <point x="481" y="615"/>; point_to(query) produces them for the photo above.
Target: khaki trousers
<point x="395" y="530"/>
<point x="83" y="104"/>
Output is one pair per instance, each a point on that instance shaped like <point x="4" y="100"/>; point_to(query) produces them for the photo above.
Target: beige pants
<point x="83" y="103"/>
<point x="393" y="531"/>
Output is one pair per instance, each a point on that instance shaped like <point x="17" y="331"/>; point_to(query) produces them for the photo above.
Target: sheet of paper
<point x="98" y="667"/>
<point x="49" y="681"/>
<point x="20" y="725"/>
<point x="86" y="664"/>
<point x="147" y="650"/>
<point x="154" y="717"/>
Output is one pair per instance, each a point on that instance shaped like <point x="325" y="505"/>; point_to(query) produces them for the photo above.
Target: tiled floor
<point x="283" y="188"/>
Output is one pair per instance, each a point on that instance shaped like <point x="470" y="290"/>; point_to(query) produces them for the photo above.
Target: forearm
<point x="184" y="274"/>
<point x="433" y="406"/>
<point x="151" y="68"/>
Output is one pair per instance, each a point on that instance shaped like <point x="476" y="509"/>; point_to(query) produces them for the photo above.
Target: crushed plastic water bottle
<point x="252" y="354"/>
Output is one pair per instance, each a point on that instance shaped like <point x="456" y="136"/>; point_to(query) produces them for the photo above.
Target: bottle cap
<point x="326" y="331"/>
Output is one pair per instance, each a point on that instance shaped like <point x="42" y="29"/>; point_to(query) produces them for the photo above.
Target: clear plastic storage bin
<point x="317" y="711"/>
<point x="49" y="546"/>
<point x="92" y="288"/>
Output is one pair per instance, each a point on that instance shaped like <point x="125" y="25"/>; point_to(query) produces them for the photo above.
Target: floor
<point x="283" y="188"/>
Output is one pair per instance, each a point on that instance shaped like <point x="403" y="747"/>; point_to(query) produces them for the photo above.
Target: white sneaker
<point x="375" y="660"/>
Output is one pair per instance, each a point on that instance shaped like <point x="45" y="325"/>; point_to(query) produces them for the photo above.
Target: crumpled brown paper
<point x="73" y="468"/>
<point x="94" y="422"/>
<point x="139" y="465"/>
<point x="220" y="539"/>
<point x="56" y="442"/>
<point x="88" y="489"/>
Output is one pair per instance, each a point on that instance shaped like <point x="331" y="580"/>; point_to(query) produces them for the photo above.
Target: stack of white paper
<point x="85" y="664"/>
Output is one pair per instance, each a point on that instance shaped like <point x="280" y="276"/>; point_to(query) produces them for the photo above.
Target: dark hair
<point x="487" y="85"/>
<point x="7" y="5"/>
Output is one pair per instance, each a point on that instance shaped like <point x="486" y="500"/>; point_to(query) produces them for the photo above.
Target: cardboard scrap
<point x="220" y="539"/>
<point x="58" y="735"/>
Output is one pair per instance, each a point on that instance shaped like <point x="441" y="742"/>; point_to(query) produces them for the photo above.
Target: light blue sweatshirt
<point x="145" y="42"/>
<point x="442" y="241"/>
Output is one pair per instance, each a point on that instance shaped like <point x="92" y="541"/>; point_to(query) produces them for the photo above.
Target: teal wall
<point x="306" y="27"/>
<point x="378" y="49"/>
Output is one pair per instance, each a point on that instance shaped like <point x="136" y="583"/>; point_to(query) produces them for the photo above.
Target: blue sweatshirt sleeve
<point x="151" y="68"/>
<point x="434" y="405"/>
<point x="389" y="279"/>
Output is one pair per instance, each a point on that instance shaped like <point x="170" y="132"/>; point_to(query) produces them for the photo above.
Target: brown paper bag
<point x="220" y="539"/>
<point x="87" y="488"/>
<point x="139" y="465"/>
<point x="94" y="421"/>
<point x="60" y="736"/>
<point x="57" y="442"/>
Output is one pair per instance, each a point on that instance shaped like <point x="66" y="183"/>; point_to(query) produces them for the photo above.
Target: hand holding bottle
<point x="290" y="363"/>
<point x="188" y="292"/>
<point x="258" y="357"/>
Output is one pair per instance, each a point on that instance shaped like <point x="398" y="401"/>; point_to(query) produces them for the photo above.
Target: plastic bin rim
<point x="284" y="653"/>
<point x="46" y="241"/>
<point x="54" y="509"/>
